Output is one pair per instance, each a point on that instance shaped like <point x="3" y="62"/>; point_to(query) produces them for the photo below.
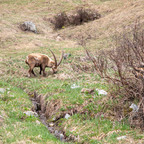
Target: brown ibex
<point x="42" y="61"/>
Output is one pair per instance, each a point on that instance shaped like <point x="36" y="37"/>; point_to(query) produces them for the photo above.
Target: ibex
<point x="42" y="61"/>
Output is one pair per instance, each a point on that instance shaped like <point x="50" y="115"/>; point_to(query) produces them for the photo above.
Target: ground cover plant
<point x="92" y="116"/>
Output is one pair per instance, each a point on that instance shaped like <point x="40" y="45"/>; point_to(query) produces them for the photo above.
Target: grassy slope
<point x="15" y="45"/>
<point x="16" y="127"/>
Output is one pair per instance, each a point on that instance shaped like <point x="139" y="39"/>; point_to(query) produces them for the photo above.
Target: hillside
<point x="88" y="122"/>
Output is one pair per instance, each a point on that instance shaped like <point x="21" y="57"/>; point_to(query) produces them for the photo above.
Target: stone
<point x="28" y="26"/>
<point x="59" y="38"/>
<point x="74" y="86"/>
<point x="61" y="137"/>
<point x="56" y="133"/>
<point x="38" y="122"/>
<point x="86" y="90"/>
<point x="51" y="124"/>
<point x="67" y="116"/>
<point x="31" y="113"/>
<point x="2" y="90"/>
<point x="134" y="107"/>
<point x="101" y="92"/>
<point x="121" y="137"/>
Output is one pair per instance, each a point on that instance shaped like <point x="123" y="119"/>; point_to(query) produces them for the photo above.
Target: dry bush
<point x="82" y="15"/>
<point x="124" y="68"/>
<point x="60" y="20"/>
<point x="76" y="17"/>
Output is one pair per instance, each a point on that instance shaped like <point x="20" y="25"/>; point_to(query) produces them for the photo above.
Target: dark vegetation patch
<point x="123" y="68"/>
<point x="76" y="17"/>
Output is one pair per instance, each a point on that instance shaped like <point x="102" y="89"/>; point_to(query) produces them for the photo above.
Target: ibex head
<point x="54" y="64"/>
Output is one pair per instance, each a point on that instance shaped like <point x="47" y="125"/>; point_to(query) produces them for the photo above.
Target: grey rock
<point x="38" y="122"/>
<point x="2" y="90"/>
<point x="61" y="137"/>
<point x="31" y="113"/>
<point x="67" y="116"/>
<point x="28" y="26"/>
<point x="59" y="38"/>
<point x="8" y="89"/>
<point x="56" y="133"/>
<point x="134" y="107"/>
<point x="101" y="92"/>
<point x="121" y="137"/>
<point x="74" y="86"/>
<point x="51" y="124"/>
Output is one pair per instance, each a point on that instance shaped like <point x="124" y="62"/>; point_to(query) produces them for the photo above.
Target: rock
<point x="38" y="122"/>
<point x="61" y="137"/>
<point x="121" y="137"/>
<point x="134" y="107"/>
<point x="54" y="118"/>
<point x="28" y="26"/>
<point x="31" y="113"/>
<point x="74" y="86"/>
<point x="56" y="133"/>
<point x="86" y="90"/>
<point x="59" y="38"/>
<point x="66" y="55"/>
<point x="67" y="116"/>
<point x="101" y="92"/>
<point x="8" y="89"/>
<point x="51" y="124"/>
<point x="2" y="90"/>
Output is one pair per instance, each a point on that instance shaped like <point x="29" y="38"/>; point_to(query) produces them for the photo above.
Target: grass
<point x="17" y="127"/>
<point x="91" y="126"/>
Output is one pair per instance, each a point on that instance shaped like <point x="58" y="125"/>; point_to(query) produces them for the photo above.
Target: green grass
<point x="16" y="126"/>
<point x="91" y="128"/>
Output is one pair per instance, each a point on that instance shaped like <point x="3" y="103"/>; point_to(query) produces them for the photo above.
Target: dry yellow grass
<point x="115" y="15"/>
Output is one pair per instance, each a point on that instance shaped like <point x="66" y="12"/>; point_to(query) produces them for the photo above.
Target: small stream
<point x="51" y="128"/>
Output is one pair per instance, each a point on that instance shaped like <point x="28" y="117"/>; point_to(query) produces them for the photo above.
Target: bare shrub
<point x="82" y="15"/>
<point x="60" y="20"/>
<point x="76" y="17"/>
<point x="124" y="67"/>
